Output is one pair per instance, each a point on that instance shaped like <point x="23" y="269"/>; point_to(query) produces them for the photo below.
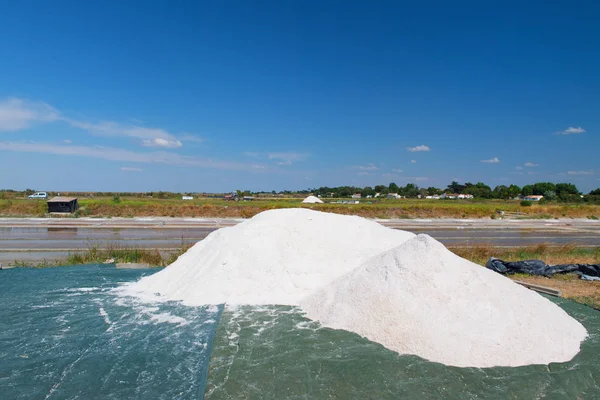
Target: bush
<point x="570" y="198"/>
<point x="549" y="195"/>
<point x="117" y="199"/>
<point x="592" y="199"/>
<point x="526" y="203"/>
<point x="41" y="208"/>
<point x="82" y="212"/>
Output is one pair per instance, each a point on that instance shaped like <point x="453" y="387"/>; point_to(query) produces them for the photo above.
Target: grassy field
<point x="386" y="208"/>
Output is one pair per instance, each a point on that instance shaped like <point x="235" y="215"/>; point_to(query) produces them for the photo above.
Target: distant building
<point x="533" y="198"/>
<point x="248" y="198"/>
<point x="393" y="196"/>
<point x="62" y="205"/>
<point x="356" y="196"/>
<point x="187" y="197"/>
<point x="449" y="196"/>
<point x="456" y="196"/>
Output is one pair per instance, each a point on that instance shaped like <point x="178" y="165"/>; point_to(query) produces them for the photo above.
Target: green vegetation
<point x="561" y="200"/>
<point x="370" y="208"/>
<point x="120" y="255"/>
<point x="565" y="192"/>
<point x="97" y="255"/>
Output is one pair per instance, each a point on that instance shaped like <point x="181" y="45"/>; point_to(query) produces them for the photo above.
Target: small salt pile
<point x="420" y="298"/>
<point x="408" y="293"/>
<point x="312" y="200"/>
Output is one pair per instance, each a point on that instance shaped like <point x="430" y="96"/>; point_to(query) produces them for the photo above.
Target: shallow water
<point x="65" y="334"/>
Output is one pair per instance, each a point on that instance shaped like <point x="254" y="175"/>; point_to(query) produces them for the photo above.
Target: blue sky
<point x="216" y="96"/>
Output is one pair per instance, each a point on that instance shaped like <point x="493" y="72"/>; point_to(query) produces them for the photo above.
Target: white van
<point x="38" y="195"/>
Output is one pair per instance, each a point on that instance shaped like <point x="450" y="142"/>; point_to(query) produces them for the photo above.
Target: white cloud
<point x="131" y="169"/>
<point x="571" y="130"/>
<point x="413" y="161"/>
<point x="528" y="164"/>
<point x="519" y="168"/>
<point x="418" y="148"/>
<point x="67" y="141"/>
<point x="251" y="154"/>
<point x="286" y="162"/>
<point x="160" y="142"/>
<point x="287" y="157"/>
<point x="18" y="114"/>
<point x="368" y="167"/>
<point x="494" y="160"/>
<point x="418" y="178"/>
<point x="150" y="137"/>
<point x="365" y="173"/>
<point x="590" y="172"/>
<point x="397" y="170"/>
<point x="118" y="154"/>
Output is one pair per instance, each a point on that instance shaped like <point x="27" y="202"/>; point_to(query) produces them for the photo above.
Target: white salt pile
<point x="408" y="293"/>
<point x="312" y="200"/>
<point x="420" y="298"/>
<point x="277" y="257"/>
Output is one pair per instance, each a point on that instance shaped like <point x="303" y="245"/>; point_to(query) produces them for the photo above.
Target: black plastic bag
<point x="590" y="269"/>
<point x="532" y="267"/>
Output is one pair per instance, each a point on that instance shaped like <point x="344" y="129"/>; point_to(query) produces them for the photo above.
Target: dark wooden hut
<point x="63" y="205"/>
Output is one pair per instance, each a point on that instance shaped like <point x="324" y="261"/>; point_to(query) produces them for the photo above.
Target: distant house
<point x="356" y="196"/>
<point x="435" y="197"/>
<point x="187" y="197"/>
<point x="62" y="205"/>
<point x="533" y="198"/>
<point x="453" y="196"/>
<point x="456" y="196"/>
<point x="377" y="195"/>
<point x="393" y="196"/>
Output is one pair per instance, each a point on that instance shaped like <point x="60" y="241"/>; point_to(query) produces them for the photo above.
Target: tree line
<point x="567" y="192"/>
